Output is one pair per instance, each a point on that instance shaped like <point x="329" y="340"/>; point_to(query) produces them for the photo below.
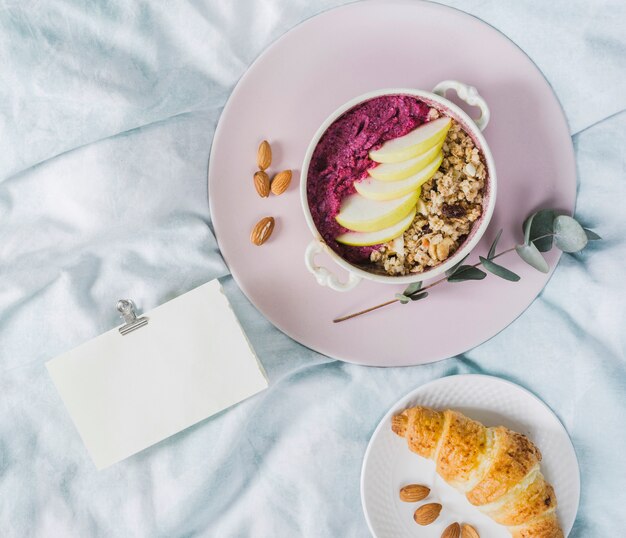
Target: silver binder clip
<point x="131" y="321"/>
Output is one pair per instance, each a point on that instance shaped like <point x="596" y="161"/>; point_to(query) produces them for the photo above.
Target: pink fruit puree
<point x="341" y="158"/>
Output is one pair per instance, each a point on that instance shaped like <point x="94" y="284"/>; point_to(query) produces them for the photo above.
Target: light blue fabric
<point x="107" y="111"/>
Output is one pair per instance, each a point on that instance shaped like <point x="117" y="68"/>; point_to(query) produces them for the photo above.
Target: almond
<point x="262" y="230"/>
<point x="264" y="155"/>
<point x="452" y="531"/>
<point x="467" y="531"/>
<point x="427" y="513"/>
<point x="413" y="493"/>
<point x="262" y="183"/>
<point x="281" y="182"/>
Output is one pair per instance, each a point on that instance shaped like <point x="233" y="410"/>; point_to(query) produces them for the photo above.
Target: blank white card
<point x="191" y="360"/>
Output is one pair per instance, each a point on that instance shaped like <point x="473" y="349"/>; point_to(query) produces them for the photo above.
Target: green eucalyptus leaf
<point x="569" y="236"/>
<point x="591" y="235"/>
<point x="526" y="227"/>
<point x="498" y="270"/>
<point x="454" y="268"/>
<point x="492" y="250"/>
<point x="531" y="255"/>
<point x="402" y="298"/>
<point x="467" y="272"/>
<point x="538" y="225"/>
<point x="419" y="296"/>
<point x="412" y="288"/>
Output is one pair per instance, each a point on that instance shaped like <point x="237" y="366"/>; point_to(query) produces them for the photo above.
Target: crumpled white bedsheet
<point x="107" y="111"/>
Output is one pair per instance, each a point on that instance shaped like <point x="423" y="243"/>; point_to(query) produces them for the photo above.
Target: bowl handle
<point x="469" y="94"/>
<point x="323" y="276"/>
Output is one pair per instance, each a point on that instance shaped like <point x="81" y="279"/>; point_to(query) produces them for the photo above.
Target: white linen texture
<point x="107" y="113"/>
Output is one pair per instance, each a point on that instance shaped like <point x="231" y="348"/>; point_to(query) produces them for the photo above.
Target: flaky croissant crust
<point x="497" y="469"/>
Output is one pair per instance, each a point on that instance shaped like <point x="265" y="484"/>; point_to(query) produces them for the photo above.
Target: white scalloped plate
<point x="389" y="464"/>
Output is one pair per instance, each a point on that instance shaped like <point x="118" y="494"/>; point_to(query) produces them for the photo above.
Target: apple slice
<point x="365" y="239"/>
<point x="398" y="171"/>
<point x="412" y="144"/>
<point x="359" y="214"/>
<point x="390" y="190"/>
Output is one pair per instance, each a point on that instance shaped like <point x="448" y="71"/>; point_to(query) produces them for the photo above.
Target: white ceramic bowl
<point x="472" y="127"/>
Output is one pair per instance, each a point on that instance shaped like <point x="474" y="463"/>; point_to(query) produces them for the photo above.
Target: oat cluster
<point x="450" y="202"/>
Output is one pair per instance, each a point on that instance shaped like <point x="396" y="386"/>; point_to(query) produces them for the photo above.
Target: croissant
<point x="497" y="469"/>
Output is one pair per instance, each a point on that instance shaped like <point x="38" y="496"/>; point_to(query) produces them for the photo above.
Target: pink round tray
<point x="289" y="91"/>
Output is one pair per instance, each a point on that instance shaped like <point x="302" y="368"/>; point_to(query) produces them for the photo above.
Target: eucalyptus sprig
<point x="542" y="230"/>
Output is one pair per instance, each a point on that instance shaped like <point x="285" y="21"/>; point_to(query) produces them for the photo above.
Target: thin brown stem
<point x="437" y="282"/>
<point x="344" y="318"/>
<point x="498" y="255"/>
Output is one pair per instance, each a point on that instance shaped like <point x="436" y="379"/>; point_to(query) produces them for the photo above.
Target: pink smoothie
<point x="341" y="158"/>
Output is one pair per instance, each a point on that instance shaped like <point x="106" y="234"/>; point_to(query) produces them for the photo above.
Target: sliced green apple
<point x="404" y="169"/>
<point x="365" y="239"/>
<point x="390" y="190"/>
<point x="359" y="214"/>
<point x="412" y="144"/>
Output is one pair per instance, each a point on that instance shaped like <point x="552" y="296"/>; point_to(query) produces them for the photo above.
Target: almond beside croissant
<point x="497" y="469"/>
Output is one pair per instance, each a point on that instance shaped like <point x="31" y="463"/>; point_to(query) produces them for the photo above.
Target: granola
<point x="450" y="202"/>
